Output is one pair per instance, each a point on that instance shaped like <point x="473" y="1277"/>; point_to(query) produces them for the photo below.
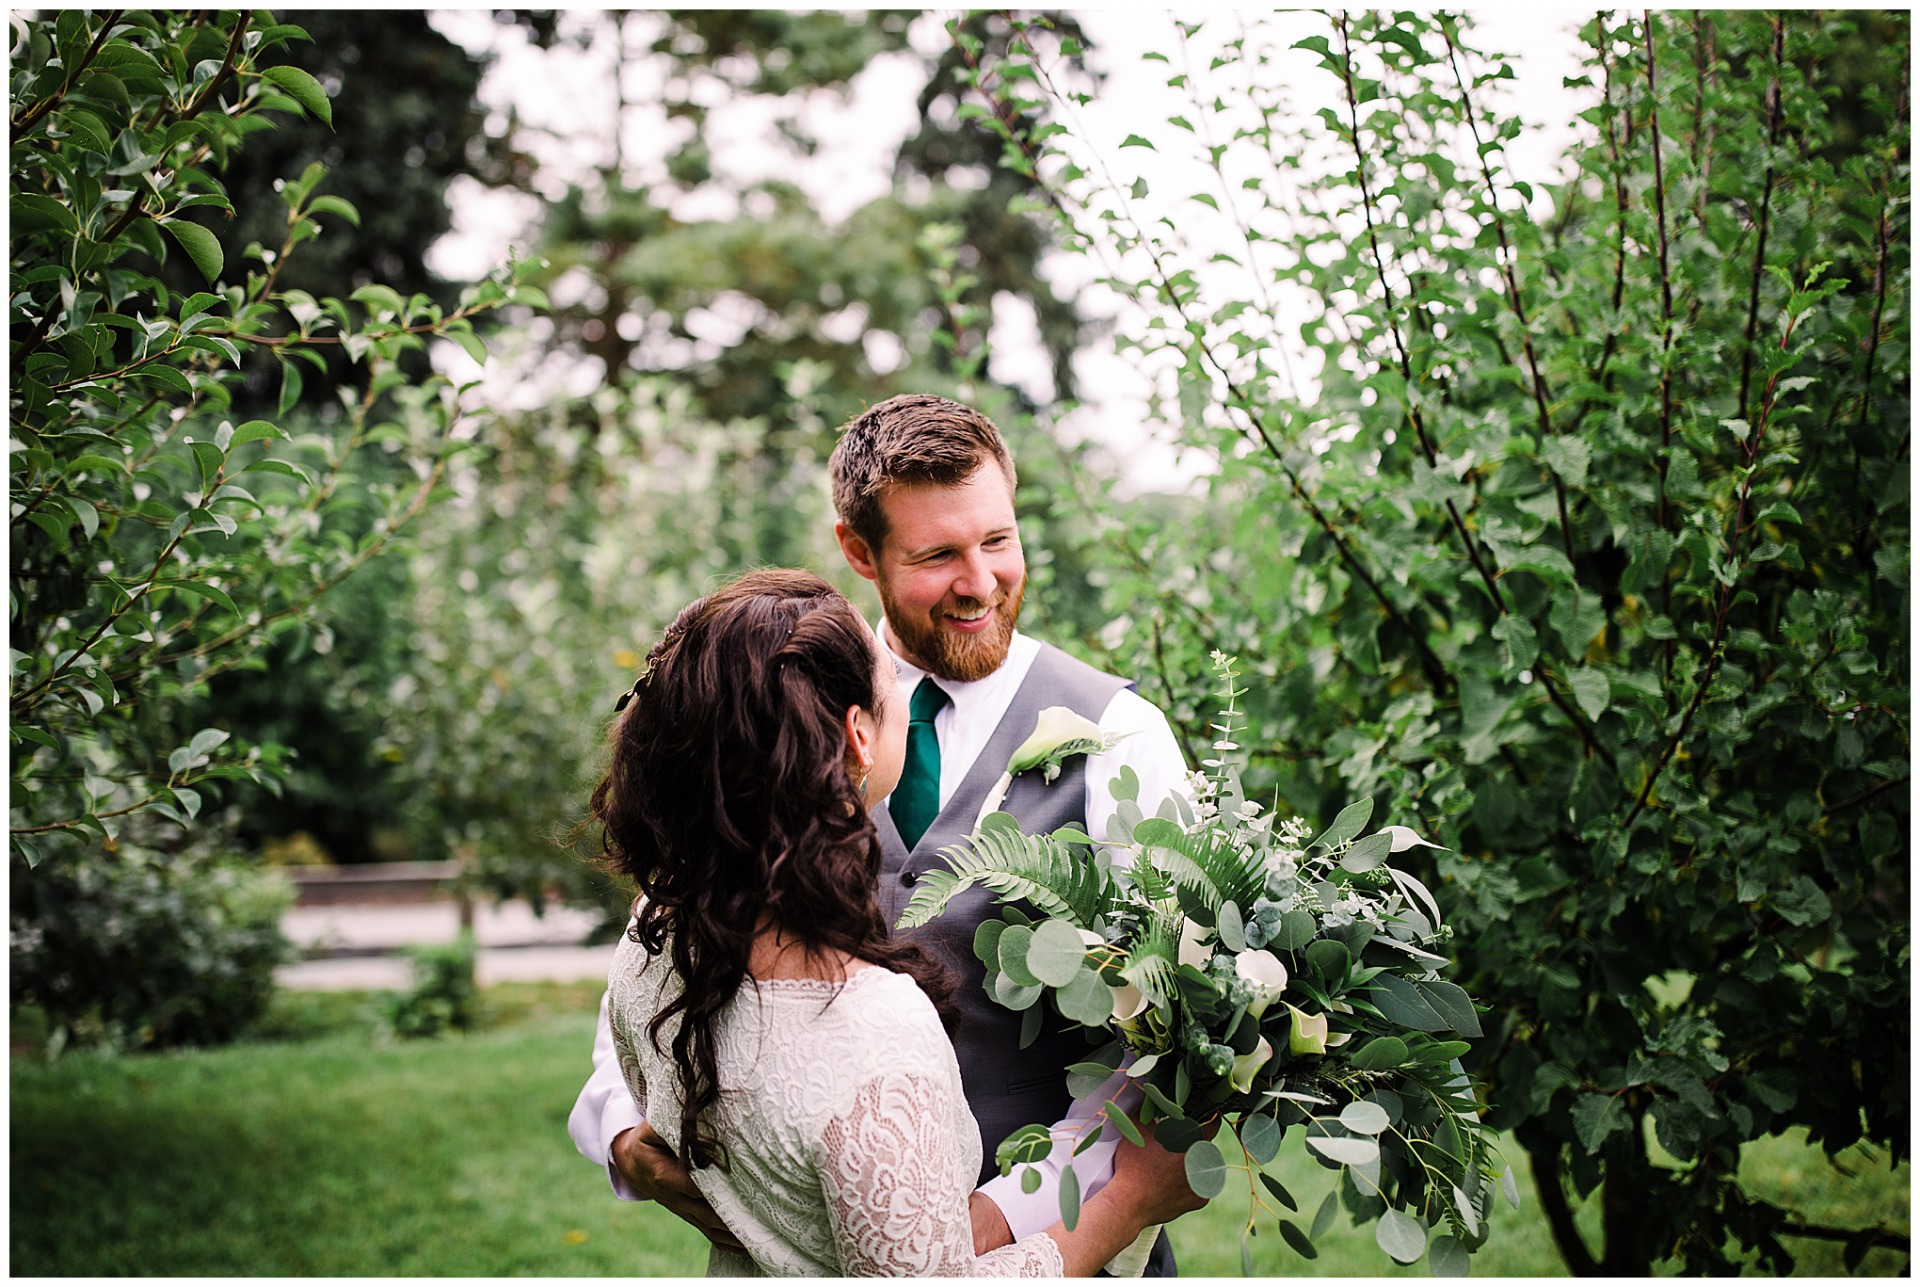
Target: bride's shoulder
<point x="879" y="998"/>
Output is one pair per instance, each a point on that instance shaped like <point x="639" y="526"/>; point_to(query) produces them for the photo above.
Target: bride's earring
<point x="859" y="772"/>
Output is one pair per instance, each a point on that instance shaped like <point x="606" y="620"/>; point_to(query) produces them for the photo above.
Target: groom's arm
<point x="604" y="1111"/>
<point x="1002" y="1208"/>
<point x="609" y="1129"/>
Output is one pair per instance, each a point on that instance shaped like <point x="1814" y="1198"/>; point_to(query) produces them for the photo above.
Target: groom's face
<point x="950" y="572"/>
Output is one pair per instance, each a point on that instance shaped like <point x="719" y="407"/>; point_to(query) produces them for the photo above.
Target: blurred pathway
<point x="364" y="945"/>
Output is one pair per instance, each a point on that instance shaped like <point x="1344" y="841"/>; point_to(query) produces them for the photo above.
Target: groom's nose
<point x="976" y="579"/>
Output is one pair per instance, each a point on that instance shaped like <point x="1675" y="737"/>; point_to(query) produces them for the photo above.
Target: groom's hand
<point x="990" y="1231"/>
<point x="647" y="1164"/>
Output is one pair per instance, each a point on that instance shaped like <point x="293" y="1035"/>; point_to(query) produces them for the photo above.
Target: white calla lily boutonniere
<point x="1058" y="734"/>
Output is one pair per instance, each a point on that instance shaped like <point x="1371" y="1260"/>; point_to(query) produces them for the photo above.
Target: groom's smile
<point x="950" y="572"/>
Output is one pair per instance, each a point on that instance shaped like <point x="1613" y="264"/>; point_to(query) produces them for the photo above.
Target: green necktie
<point x="916" y="801"/>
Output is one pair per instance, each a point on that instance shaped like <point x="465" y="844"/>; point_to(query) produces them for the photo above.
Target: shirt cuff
<point x="620" y="1115"/>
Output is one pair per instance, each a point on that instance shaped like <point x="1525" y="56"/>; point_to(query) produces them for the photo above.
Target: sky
<point x="570" y="93"/>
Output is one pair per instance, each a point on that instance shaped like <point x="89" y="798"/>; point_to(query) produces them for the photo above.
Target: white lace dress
<point x="851" y="1147"/>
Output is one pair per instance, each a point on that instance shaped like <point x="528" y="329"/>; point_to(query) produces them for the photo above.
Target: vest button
<point x="907" y="878"/>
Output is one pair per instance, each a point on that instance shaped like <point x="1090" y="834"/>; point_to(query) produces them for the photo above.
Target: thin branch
<point x="1774" y="116"/>
<point x="1723" y="607"/>
<point x="1866" y="795"/>
<point x="1666" y="277"/>
<point x="47" y="104"/>
<point x="1514" y="300"/>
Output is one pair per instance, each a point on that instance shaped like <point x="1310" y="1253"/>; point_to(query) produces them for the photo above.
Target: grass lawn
<point x="323" y="1149"/>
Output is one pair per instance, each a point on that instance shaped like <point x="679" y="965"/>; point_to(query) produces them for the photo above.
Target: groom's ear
<point x="860" y="557"/>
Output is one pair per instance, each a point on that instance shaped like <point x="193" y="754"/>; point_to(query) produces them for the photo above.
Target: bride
<point x="794" y="1056"/>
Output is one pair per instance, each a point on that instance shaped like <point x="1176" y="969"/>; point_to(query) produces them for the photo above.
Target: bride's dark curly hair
<point x="729" y="802"/>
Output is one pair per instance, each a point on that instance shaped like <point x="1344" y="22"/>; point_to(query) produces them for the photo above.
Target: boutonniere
<point x="1057" y="735"/>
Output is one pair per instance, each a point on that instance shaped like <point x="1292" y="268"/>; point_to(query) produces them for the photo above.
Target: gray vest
<point x="1006" y="1087"/>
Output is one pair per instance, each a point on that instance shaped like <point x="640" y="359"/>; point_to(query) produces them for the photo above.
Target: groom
<point x="924" y="491"/>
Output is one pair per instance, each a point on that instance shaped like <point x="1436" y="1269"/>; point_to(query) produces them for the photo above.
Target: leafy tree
<point x="155" y="544"/>
<point x="700" y="449"/>
<point x="1576" y="523"/>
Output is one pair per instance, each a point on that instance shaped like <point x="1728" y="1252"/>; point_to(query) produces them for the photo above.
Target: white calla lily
<point x="1055" y="730"/>
<point x="1263" y="970"/>
<point x="1128" y="1002"/>
<point x="1058" y="732"/>
<point x="1192" y="951"/>
<point x="1245" y="1066"/>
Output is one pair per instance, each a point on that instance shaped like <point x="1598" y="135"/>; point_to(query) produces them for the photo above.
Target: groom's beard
<point x="947" y="654"/>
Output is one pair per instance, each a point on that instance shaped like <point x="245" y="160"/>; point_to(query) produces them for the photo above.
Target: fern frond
<point x="1148" y="880"/>
<point x="1231" y="873"/>
<point x="1039" y="869"/>
<point x="1156" y="955"/>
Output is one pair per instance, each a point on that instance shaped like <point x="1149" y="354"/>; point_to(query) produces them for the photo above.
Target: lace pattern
<point x="852" y="1150"/>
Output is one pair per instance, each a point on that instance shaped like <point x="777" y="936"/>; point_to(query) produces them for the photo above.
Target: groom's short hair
<point x="914" y="438"/>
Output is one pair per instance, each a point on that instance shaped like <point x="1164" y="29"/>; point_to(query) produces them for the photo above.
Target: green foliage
<point x="139" y="950"/>
<point x="1047" y="871"/>
<point x="1572" y="518"/>
<point x="443" y="994"/>
<point x="156" y="544"/>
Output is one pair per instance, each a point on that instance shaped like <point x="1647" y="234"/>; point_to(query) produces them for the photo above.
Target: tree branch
<point x="1774" y="116"/>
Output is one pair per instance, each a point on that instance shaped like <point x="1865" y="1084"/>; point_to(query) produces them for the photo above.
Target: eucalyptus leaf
<point x="1206" y="1169"/>
<point x="1401" y="1236"/>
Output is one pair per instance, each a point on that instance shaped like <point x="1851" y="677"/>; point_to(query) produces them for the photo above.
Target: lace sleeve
<point x="896" y="1189"/>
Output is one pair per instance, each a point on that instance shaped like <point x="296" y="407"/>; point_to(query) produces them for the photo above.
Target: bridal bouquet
<point x="1250" y="977"/>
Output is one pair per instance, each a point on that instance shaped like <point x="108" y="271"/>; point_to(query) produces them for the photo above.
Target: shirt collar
<point x="910" y="675"/>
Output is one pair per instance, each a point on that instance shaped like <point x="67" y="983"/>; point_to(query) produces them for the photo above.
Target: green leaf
<point x="335" y="205"/>
<point x="986" y="941"/>
<point x="1367" y="854"/>
<point x="1028" y="1144"/>
<point x="1591" y="690"/>
<point x="1055" y="956"/>
<point x="1363" y="1117"/>
<point x="1069" y="1197"/>
<point x="1323" y="1218"/>
<point x="1345" y="1149"/>
<point x="303" y="89"/>
<point x="201" y="246"/>
<point x="1278" y="1190"/>
<point x="1298" y="1240"/>
<point x="1346" y="825"/>
<point x="1085" y="998"/>
<point x="1401" y="1236"/>
<point x="1014" y="945"/>
<point x="1380" y="1054"/>
<point x="200" y="590"/>
<point x="1596" y="1117"/>
<point x="1260" y="1135"/>
<point x="1206" y="1169"/>
<point x="1232" y="929"/>
<point x="1330" y="959"/>
<point x="1295" y="931"/>
<point x="1134" y="140"/>
<point x="1124" y="1124"/>
<point x="254" y="431"/>
<point x="1447" y="1257"/>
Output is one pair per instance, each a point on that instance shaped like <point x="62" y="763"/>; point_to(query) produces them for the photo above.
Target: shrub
<point x="147" y="950"/>
<point x="443" y="992"/>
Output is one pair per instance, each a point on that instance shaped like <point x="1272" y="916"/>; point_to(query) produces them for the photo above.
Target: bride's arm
<point x="897" y="1194"/>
